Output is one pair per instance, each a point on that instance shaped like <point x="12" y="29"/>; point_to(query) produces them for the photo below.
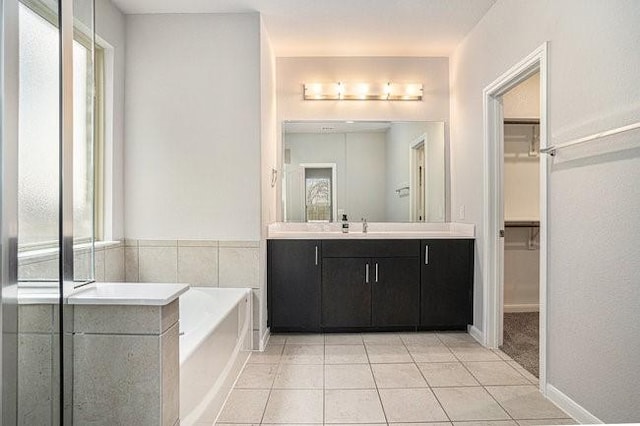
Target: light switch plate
<point x="461" y="212"/>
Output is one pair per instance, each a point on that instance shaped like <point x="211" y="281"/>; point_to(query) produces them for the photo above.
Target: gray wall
<point x="400" y="136"/>
<point x="593" y="290"/>
<point x="360" y="169"/>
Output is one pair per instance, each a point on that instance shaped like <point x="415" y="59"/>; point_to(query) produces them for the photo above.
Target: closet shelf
<point x="521" y="223"/>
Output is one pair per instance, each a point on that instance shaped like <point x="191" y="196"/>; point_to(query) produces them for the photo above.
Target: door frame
<point x="493" y="260"/>
<point x="413" y="184"/>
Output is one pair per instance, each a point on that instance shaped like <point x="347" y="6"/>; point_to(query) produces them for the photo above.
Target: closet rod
<point x="551" y="150"/>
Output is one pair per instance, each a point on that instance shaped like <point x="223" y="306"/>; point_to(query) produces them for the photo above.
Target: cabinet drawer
<point x="371" y="248"/>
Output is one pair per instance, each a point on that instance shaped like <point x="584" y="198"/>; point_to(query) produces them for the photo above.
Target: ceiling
<point x="345" y="27"/>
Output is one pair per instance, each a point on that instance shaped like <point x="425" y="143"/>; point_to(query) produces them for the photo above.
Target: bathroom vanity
<point x="396" y="276"/>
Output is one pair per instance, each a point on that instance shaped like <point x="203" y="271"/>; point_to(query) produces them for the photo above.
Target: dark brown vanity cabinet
<point x="446" y="300"/>
<point x="294" y="271"/>
<point x="363" y="284"/>
<point x="370" y="283"/>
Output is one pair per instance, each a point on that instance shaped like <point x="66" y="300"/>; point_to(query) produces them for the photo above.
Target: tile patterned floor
<point x="385" y="378"/>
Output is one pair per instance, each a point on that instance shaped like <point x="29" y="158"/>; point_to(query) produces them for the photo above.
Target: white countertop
<point x="376" y="230"/>
<point x="148" y="294"/>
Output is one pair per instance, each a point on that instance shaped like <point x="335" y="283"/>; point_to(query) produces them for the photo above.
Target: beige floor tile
<point x="495" y="373"/>
<point x="305" y="339"/>
<point x="545" y="422"/>
<point x="353" y="406"/>
<point x="427" y="339"/>
<point x="359" y="424"/>
<point x="411" y="405"/>
<point x="436" y="353"/>
<point x="244" y="406"/>
<point x="502" y="355"/>
<point x="348" y="376"/>
<point x="469" y="403"/>
<point x="456" y="338"/>
<point x="226" y="424"/>
<point x="520" y="369"/>
<point x="345" y="354"/>
<point x="382" y="353"/>
<point x="257" y="376"/>
<point x="303" y="354"/>
<point x="271" y="355"/>
<point x="382" y="338"/>
<point x="525" y="402"/>
<point x="422" y="424"/>
<point x="294" y="406"/>
<point x="487" y="423"/>
<point x="473" y="352"/>
<point x="277" y="339"/>
<point x="398" y="376"/>
<point x="343" y="339"/>
<point x="440" y="374"/>
<point x="293" y="376"/>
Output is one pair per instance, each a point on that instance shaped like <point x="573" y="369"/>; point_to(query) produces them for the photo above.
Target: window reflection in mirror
<point x="381" y="171"/>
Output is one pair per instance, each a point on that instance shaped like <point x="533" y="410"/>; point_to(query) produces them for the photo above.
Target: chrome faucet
<point x="365" y="225"/>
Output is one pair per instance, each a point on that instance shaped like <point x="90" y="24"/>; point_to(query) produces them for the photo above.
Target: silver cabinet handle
<point x="366" y="273"/>
<point x="376" y="271"/>
<point x="316" y="255"/>
<point x="426" y="254"/>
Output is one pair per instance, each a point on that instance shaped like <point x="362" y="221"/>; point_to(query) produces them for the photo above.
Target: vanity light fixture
<point x="363" y="91"/>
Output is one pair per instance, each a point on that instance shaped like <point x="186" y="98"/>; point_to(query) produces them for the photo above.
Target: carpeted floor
<point x="521" y="341"/>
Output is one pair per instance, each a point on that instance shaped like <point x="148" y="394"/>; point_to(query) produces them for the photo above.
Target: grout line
<point x="375" y="382"/>
<point x="425" y="379"/>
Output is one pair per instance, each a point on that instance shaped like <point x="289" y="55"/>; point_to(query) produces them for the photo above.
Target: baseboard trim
<point x="476" y="333"/>
<point x="522" y="307"/>
<point x="569" y="406"/>
<point x="264" y="340"/>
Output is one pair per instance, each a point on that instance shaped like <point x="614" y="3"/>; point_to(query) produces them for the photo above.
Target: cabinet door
<point x="396" y="291"/>
<point x="294" y="285"/>
<point x="346" y="294"/>
<point x="446" y="283"/>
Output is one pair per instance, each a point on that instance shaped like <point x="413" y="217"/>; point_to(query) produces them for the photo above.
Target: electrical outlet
<point x="461" y="212"/>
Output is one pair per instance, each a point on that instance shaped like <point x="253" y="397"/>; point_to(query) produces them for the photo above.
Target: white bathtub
<point x="215" y="339"/>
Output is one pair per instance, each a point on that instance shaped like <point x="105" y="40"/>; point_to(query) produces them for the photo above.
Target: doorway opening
<point x="493" y="263"/>
<point x="521" y="197"/>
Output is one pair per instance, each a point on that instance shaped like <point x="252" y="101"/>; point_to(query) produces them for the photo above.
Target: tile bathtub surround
<point x="385" y="378"/>
<point x="197" y="262"/>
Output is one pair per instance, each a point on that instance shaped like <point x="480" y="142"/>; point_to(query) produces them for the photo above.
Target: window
<point x="318" y="195"/>
<point x="38" y="137"/>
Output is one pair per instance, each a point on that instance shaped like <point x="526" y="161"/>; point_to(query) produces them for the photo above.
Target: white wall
<point x="292" y="73"/>
<point x="523" y="101"/>
<point x="193" y="134"/>
<point x="110" y="30"/>
<point x="593" y="316"/>
<point x="269" y="154"/>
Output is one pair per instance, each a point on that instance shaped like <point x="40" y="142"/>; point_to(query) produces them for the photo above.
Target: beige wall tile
<point x="239" y="267"/>
<point x="131" y="265"/>
<point x="158" y="264"/>
<point x="114" y="264"/>
<point x="198" y="266"/>
<point x="157" y="243"/>
<point x="197" y="243"/>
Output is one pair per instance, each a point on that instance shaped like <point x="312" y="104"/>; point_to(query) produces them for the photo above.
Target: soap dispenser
<point x="345" y="224"/>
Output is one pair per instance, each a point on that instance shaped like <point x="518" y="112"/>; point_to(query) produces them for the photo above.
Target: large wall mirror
<point x="379" y="170"/>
